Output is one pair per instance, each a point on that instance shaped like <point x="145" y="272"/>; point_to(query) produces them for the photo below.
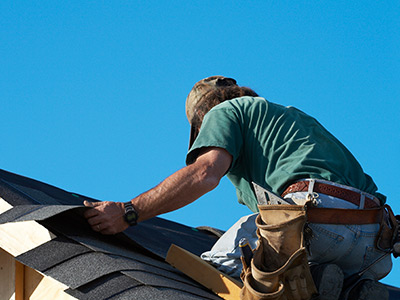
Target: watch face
<point x="131" y="217"/>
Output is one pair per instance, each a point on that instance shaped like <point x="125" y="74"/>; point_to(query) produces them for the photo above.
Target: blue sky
<point x="92" y="92"/>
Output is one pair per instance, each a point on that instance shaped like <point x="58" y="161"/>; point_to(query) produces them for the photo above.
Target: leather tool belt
<point x="344" y="216"/>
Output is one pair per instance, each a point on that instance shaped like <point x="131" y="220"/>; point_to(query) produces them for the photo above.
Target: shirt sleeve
<point x="220" y="128"/>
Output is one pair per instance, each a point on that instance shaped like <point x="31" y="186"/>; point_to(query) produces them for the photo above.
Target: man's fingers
<point x="92" y="204"/>
<point x="93" y="216"/>
<point x="105" y="217"/>
<point x="90" y="213"/>
<point x="107" y="231"/>
<point x="87" y="203"/>
<point x="103" y="229"/>
<point x="93" y="221"/>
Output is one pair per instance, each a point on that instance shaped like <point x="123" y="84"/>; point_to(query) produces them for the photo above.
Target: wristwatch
<point x="131" y="216"/>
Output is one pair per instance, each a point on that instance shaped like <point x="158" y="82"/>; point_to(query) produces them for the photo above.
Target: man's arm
<point x="176" y="191"/>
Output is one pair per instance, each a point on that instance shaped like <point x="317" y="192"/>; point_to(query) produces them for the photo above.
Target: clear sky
<point x="92" y="93"/>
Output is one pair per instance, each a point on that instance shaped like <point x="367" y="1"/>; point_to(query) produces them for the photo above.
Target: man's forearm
<point x="184" y="186"/>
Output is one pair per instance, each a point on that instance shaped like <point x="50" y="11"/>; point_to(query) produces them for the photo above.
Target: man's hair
<point x="213" y="98"/>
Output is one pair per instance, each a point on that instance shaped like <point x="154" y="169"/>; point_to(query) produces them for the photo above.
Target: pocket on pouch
<point x="324" y="243"/>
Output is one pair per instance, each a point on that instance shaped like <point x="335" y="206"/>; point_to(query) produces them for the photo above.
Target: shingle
<point x="147" y="292"/>
<point x="164" y="270"/>
<point x="157" y="234"/>
<point x="158" y="281"/>
<point x="37" y="192"/>
<point x="55" y="252"/>
<point x="34" y="212"/>
<point x="129" y="252"/>
<point x="83" y="269"/>
<point x="104" y="287"/>
<point x="13" y="196"/>
<point x="174" y="294"/>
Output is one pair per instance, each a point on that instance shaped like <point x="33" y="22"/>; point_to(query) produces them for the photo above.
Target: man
<point x="246" y="137"/>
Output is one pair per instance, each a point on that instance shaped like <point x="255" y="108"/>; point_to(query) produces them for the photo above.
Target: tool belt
<point x="344" y="216"/>
<point x="279" y="269"/>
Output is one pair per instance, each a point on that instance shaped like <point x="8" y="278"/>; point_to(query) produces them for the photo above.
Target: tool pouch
<point x="388" y="232"/>
<point x="279" y="269"/>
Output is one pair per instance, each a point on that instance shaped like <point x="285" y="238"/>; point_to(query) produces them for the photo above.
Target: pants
<point x="351" y="247"/>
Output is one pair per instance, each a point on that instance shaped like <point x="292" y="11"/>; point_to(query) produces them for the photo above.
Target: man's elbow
<point x="209" y="178"/>
<point x="211" y="166"/>
<point x="212" y="182"/>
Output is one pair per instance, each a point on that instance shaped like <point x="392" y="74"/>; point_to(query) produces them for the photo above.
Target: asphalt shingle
<point x="129" y="265"/>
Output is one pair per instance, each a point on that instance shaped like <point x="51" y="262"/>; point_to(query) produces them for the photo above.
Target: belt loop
<point x="362" y="200"/>
<point x="311" y="196"/>
<point x="311" y="186"/>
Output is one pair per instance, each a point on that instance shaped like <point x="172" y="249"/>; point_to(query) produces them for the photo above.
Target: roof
<point x="129" y="265"/>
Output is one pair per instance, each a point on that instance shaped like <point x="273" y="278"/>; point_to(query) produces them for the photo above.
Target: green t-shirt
<point x="275" y="146"/>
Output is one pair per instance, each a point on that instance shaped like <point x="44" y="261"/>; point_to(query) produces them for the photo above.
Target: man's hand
<point x="106" y="217"/>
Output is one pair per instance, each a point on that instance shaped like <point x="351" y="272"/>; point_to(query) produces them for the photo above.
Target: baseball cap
<point x="195" y="97"/>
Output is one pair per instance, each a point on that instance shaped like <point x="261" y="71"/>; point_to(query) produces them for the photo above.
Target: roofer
<point x="236" y="133"/>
